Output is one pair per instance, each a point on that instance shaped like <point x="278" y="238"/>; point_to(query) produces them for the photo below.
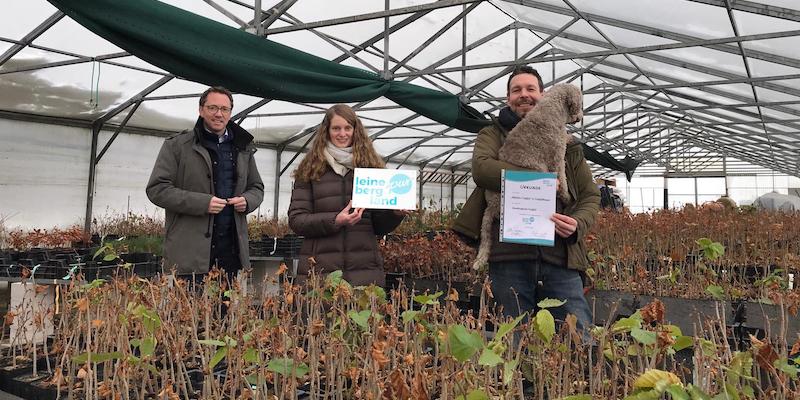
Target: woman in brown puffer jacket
<point x="338" y="237"/>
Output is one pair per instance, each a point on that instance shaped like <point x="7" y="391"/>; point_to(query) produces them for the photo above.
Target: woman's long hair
<point x="364" y="156"/>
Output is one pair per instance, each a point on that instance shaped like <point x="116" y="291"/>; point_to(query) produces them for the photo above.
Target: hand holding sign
<point x="348" y="215"/>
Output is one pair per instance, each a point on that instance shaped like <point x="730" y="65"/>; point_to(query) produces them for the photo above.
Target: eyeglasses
<point x="214" y="109"/>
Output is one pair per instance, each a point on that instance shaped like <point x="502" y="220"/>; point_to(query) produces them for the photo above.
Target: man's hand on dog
<point x="565" y="225"/>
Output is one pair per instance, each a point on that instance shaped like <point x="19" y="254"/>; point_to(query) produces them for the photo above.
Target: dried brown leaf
<point x="56" y="380"/>
<point x="378" y="354"/>
<point x="9" y="318"/>
<point x="104" y="390"/>
<point x="316" y="327"/>
<point x="168" y="394"/>
<point x="765" y="354"/>
<point x="795" y="348"/>
<point x="281" y="269"/>
<point x="83" y="373"/>
<point x="397" y="387"/>
<point x="453" y="295"/>
<point x="419" y="388"/>
<point x="653" y="312"/>
<point x="82" y="304"/>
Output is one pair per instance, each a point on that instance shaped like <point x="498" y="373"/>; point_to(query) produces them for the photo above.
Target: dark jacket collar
<point x="508" y="119"/>
<point x="241" y="137"/>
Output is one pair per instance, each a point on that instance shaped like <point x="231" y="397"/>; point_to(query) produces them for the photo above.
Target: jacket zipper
<point x="344" y="228"/>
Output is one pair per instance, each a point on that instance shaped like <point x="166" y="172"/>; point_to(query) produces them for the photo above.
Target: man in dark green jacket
<point x="522" y="275"/>
<point x="207" y="181"/>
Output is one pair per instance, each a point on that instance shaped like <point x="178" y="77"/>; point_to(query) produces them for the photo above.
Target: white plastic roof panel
<point x="24" y="18"/>
<point x="621" y="75"/>
<point x="784" y="46"/>
<point x="760" y="68"/>
<point x="672" y="72"/>
<point x="157" y="115"/>
<point x="68" y="35"/>
<point x="313" y="10"/>
<point x="583" y="29"/>
<point x="726" y="62"/>
<point x="622" y="37"/>
<point x="485" y="18"/>
<point x="696" y="19"/>
<point x="774" y="114"/>
<point x="176" y="87"/>
<point x="535" y="16"/>
<point x="765" y="94"/>
<point x="137" y="63"/>
<point x="355" y="32"/>
<point x="575" y="46"/>
<point x="206" y="10"/>
<point x="31" y="56"/>
<point x="753" y="24"/>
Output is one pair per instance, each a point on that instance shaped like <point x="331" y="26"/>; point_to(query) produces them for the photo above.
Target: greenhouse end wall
<point x="45" y="169"/>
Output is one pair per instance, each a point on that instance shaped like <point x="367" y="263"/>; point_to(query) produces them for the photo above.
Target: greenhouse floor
<point x="6" y="396"/>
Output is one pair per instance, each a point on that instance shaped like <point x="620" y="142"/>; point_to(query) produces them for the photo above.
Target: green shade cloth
<point x="202" y="50"/>
<point x="627" y="165"/>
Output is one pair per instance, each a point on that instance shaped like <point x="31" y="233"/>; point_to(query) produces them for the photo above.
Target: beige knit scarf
<point x="340" y="159"/>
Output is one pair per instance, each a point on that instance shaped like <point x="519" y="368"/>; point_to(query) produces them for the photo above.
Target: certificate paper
<point x="527" y="200"/>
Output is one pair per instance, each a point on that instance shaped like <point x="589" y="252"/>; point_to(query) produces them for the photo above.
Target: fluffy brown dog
<point x="537" y="143"/>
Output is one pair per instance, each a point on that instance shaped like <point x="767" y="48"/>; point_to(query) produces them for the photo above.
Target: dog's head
<point x="572" y="101"/>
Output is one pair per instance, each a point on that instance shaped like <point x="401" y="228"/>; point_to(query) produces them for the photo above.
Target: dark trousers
<point x="519" y="285"/>
<point x="228" y="262"/>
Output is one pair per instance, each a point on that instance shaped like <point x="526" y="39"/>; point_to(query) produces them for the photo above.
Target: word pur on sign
<point x="385" y="188"/>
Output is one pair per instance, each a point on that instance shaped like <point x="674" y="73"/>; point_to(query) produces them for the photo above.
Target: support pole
<point x="276" y="190"/>
<point x="725" y="172"/>
<point x="421" y="184"/>
<point x="386" y="73"/>
<point x="666" y="193"/>
<point x="87" y="222"/>
<point x="452" y="189"/>
<point x="463" y="54"/>
<point x="257" y="19"/>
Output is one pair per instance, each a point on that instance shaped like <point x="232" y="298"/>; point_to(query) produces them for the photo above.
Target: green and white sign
<point x="394" y="189"/>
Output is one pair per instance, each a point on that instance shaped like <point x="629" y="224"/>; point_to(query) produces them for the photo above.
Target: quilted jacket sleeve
<point x="302" y="218"/>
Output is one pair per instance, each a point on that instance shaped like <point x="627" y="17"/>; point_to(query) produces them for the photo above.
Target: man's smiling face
<point x="523" y="93"/>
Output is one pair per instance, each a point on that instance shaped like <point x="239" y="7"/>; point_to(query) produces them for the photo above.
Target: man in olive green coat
<point x="207" y="181"/>
<point x="522" y="275"/>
